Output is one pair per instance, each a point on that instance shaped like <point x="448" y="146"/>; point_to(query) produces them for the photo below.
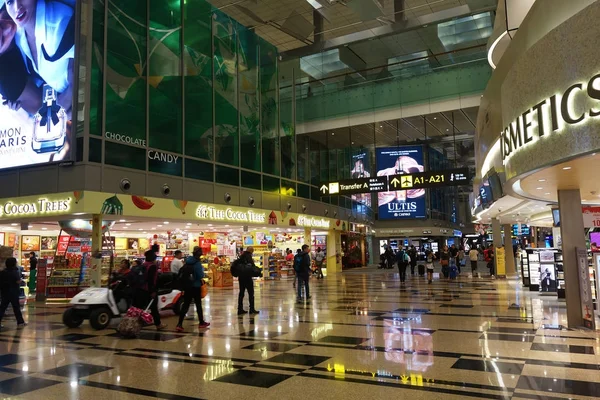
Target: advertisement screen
<point x="36" y="81"/>
<point x="361" y="165"/>
<point x="401" y="204"/>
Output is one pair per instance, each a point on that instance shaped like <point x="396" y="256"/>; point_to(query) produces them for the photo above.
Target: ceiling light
<point x="210" y="224"/>
<point x="381" y="126"/>
<point x="547" y="193"/>
<point x="593" y="154"/>
<point x="13" y="224"/>
<point x="541" y="180"/>
<point x="47" y="228"/>
<point x="166" y="222"/>
<point x="159" y="226"/>
<point x="434" y="117"/>
<point x="540" y="188"/>
<point x="140" y="229"/>
<point x="566" y="168"/>
<point x="30" y="226"/>
<point x="128" y="224"/>
<point x="153" y="229"/>
<point x="122" y="220"/>
<point x="189" y="223"/>
<point x="332" y="133"/>
<point x="144" y="232"/>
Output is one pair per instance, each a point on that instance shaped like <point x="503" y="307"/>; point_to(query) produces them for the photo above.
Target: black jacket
<point x="247" y="265"/>
<point x="10" y="280"/>
<point x="305" y="266"/>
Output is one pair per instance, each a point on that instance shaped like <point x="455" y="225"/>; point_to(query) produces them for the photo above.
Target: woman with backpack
<point x="191" y="276"/>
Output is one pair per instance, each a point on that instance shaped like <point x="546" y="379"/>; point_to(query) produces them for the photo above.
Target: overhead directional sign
<point x="421" y="180"/>
<point x="353" y="186"/>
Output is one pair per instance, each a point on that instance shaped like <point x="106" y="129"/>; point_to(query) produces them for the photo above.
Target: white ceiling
<point x="511" y="210"/>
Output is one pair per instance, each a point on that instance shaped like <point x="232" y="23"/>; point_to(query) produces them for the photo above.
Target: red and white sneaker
<point x="204" y="325"/>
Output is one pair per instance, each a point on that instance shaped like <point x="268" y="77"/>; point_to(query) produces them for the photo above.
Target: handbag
<point x="203" y="290"/>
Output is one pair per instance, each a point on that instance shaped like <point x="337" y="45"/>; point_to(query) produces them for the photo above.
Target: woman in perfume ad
<point x="37" y="50"/>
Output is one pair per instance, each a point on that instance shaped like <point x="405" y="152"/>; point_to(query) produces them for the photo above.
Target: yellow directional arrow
<point x="395" y="182"/>
<point x="329" y="368"/>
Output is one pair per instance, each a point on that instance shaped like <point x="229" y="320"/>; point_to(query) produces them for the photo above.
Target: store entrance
<point x="63" y="250"/>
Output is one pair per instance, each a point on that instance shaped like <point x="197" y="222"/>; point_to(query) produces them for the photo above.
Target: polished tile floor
<point x="361" y="336"/>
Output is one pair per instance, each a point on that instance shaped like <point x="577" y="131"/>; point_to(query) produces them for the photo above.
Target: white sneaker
<point x="21" y="326"/>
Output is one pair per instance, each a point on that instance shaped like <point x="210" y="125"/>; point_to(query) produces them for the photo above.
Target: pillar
<point x="511" y="268"/>
<point x="334" y="247"/>
<point x="318" y="23"/>
<point x="95" y="263"/>
<point x="573" y="238"/>
<point x="308" y="238"/>
<point x="497" y="242"/>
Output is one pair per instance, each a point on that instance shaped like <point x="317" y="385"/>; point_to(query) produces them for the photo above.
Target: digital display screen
<point x="401" y="204"/>
<point x="37" y="84"/>
<point x="556" y="217"/>
<point x="495" y="186"/>
<point x="485" y="193"/>
<point x="361" y="165"/>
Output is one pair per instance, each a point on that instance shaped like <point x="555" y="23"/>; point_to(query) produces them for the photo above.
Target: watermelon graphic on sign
<point x="272" y="218"/>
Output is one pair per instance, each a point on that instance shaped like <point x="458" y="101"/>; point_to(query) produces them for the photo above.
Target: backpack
<point x="298" y="260"/>
<point x="138" y="277"/>
<point x="403" y="257"/>
<point x="235" y="268"/>
<point x="186" y="275"/>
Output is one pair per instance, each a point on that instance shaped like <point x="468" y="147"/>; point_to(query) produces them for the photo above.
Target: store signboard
<point x="34" y="208"/>
<point x="401" y="203"/>
<point x="585" y="292"/>
<point x="217" y="213"/>
<point x="547" y="117"/>
<point x="312" y="222"/>
<point x="165" y="163"/>
<point x="35" y="119"/>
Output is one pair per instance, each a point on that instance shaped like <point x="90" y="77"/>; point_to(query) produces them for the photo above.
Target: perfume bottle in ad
<point x="50" y="129"/>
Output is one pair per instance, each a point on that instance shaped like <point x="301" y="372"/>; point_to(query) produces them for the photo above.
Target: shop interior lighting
<point x="541" y="180"/>
<point x="14" y="224"/>
<point x="166" y="222"/>
<point x="566" y="168"/>
<point x="128" y="224"/>
<point x="122" y="220"/>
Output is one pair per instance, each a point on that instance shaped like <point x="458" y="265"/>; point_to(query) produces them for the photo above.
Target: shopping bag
<point x="203" y="290"/>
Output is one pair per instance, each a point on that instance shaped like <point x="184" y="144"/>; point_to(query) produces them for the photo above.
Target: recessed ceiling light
<point x="447" y="129"/>
<point x="30" y="226"/>
<point x="593" y="154"/>
<point x="140" y="229"/>
<point x="381" y="126"/>
<point x="434" y="117"/>
<point x="547" y="193"/>
<point x="541" y="180"/>
<point x="352" y="142"/>
<point x="189" y="223"/>
<point x="540" y="188"/>
<point x="159" y="226"/>
<point x="47" y="228"/>
<point x="122" y="220"/>
<point x="153" y="229"/>
<point x="144" y="232"/>
<point x="566" y="168"/>
<point x="13" y="224"/>
<point x="166" y="222"/>
<point x="128" y="224"/>
<point x="210" y="224"/>
<point x="332" y="133"/>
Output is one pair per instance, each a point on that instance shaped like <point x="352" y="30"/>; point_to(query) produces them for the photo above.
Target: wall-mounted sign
<point x="33" y="208"/>
<point x="420" y="180"/>
<point x="206" y="212"/>
<point x="165" y="163"/>
<point x="547" y="117"/>
<point x="313" y="222"/>
<point x="35" y="120"/>
<point x="353" y="186"/>
<point x="125" y="139"/>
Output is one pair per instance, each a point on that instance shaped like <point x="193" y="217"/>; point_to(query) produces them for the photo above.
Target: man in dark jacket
<point x="148" y="288"/>
<point x="303" y="261"/>
<point x="412" y="253"/>
<point x="10" y="282"/>
<point x="246" y="282"/>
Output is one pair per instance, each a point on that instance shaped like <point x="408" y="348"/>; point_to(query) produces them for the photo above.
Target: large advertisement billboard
<point x="37" y="58"/>
<point x="401" y="204"/>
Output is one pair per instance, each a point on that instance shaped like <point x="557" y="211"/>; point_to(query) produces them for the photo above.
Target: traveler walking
<point x="474" y="258"/>
<point x="10" y="286"/>
<point x="403" y="259"/>
<point x="429" y="257"/>
<point x="412" y="253"/>
<point x="191" y="277"/>
<point x="145" y="279"/>
<point x="246" y="282"/>
<point x="445" y="261"/>
<point x="319" y="258"/>
<point x="302" y="268"/>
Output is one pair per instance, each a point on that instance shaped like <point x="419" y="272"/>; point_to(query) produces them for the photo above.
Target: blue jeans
<point x="303" y="281"/>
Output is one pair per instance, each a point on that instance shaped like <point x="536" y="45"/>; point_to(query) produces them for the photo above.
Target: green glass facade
<point x="177" y="87"/>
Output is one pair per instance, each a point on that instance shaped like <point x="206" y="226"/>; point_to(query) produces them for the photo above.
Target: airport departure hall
<point x="294" y="199"/>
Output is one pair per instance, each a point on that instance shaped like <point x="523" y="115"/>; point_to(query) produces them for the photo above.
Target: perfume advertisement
<point x="36" y="81"/>
<point x="401" y="204"/>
